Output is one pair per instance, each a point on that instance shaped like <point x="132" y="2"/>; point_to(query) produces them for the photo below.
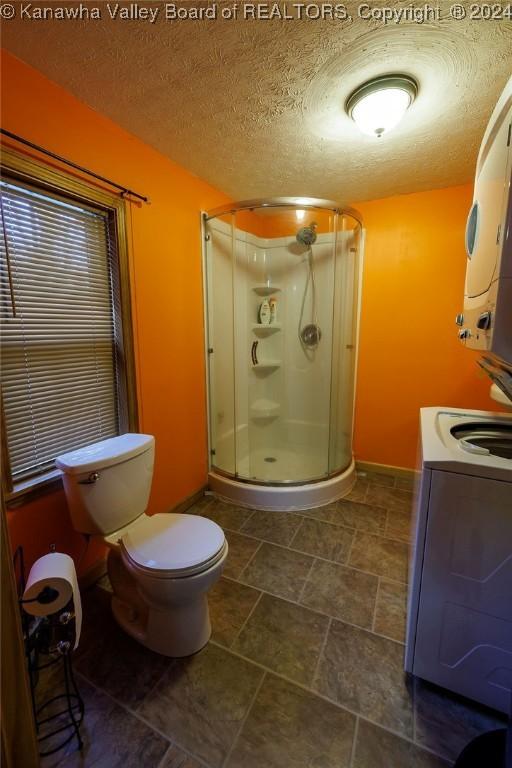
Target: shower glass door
<point x="280" y="284"/>
<point x="219" y="286"/>
<point x="344" y="342"/>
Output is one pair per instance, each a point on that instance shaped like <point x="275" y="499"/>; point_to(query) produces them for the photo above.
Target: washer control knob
<point x="459" y="320"/>
<point x="484" y="321"/>
<point x="464" y="333"/>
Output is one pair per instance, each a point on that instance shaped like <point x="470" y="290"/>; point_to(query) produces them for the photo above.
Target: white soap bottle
<point x="273" y="310"/>
<point x="264" y="313"/>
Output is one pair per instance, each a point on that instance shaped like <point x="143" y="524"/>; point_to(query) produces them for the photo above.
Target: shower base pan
<point x="282" y="497"/>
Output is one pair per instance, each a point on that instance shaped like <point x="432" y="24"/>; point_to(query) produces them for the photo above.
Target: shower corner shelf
<point x="267" y="365"/>
<point x="266" y="290"/>
<point x="264" y="409"/>
<point x="266" y="329"/>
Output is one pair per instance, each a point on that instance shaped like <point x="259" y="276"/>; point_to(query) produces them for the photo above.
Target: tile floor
<point x="304" y="668"/>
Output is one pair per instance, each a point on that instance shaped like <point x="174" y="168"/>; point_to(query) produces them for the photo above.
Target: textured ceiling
<point x="256" y="107"/>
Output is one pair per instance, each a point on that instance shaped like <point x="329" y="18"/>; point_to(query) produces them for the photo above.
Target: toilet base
<point x="176" y="632"/>
<point x="168" y="616"/>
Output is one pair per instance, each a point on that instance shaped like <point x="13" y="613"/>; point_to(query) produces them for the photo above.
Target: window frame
<point x="17" y="167"/>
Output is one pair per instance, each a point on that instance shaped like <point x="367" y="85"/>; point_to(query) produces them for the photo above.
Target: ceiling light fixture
<point x="378" y="105"/>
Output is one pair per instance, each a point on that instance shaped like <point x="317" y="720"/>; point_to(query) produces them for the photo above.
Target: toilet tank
<point x="107" y="484"/>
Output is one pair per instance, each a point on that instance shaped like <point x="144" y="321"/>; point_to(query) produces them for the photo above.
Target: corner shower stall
<point x="281" y="383"/>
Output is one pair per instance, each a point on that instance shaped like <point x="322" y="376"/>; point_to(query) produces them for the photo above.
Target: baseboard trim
<point x="189" y="501"/>
<point x="386" y="469"/>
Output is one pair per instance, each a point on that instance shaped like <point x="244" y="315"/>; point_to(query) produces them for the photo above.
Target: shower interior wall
<point x="287" y="408"/>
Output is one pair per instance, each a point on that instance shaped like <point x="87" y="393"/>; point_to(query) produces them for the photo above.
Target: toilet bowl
<point x="161" y="566"/>
<point x="173" y="561"/>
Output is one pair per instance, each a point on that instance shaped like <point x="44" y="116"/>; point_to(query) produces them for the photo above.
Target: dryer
<point x="486" y="322"/>
<point x="459" y="628"/>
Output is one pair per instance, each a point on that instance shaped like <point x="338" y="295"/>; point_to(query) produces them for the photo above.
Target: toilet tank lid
<point x="106" y="453"/>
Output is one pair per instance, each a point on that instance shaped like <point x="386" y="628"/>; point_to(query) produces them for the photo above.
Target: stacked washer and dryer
<point x="459" y="631"/>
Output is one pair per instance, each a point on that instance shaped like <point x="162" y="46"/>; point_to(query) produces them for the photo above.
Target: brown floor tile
<point x="113" y="738"/>
<point x="199" y="507"/>
<point x="389" y="498"/>
<point x="111" y="659"/>
<point x="241" y="549"/>
<point x="391" y="612"/>
<point x="104" y="583"/>
<point x="323" y="540"/>
<point x="445" y="723"/>
<point x="377" y="478"/>
<point x="341" y="592"/>
<point x="359" y="490"/>
<point x="288" y="727"/>
<point x="277" y="527"/>
<point x="202" y="700"/>
<point x="176" y="758"/>
<point x="327" y="513"/>
<point x="385" y="557"/>
<point x="50" y="683"/>
<point x="278" y="570"/>
<point x="376" y="748"/>
<point x="227" y="515"/>
<point x="230" y="604"/>
<point x="406" y="483"/>
<point x="398" y="524"/>
<point x="361" y="516"/>
<point x="284" y="637"/>
<point x="364" y="672"/>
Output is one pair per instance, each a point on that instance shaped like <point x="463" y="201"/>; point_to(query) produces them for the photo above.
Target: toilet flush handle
<point x="90" y="480"/>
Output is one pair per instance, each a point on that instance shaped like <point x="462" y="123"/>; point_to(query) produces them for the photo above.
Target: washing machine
<point x="459" y="630"/>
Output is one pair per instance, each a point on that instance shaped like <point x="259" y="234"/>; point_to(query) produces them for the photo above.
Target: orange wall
<point x="277" y="222"/>
<point x="166" y="280"/>
<point x="409" y="354"/>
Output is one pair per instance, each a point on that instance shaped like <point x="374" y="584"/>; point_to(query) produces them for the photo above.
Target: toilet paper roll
<point x="56" y="571"/>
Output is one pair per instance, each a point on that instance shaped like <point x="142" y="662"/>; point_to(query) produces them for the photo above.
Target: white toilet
<point x="160" y="566"/>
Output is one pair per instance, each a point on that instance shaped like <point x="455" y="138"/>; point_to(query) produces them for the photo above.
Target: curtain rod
<point x="124" y="190"/>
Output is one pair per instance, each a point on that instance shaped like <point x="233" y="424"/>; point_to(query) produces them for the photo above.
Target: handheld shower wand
<point x="309" y="334"/>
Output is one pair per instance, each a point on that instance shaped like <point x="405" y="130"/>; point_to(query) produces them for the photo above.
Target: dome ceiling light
<point x="378" y="105"/>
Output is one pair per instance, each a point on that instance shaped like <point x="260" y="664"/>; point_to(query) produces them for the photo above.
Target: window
<point x="64" y="373"/>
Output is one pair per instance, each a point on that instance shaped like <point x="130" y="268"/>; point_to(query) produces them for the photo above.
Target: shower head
<point x="307" y="235"/>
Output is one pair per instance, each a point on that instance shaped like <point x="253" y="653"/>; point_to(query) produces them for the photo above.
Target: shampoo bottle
<point x="264" y="313"/>
<point x="273" y="310"/>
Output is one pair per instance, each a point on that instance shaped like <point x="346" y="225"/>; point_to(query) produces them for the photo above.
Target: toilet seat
<point x="173" y="545"/>
<point x="176" y="573"/>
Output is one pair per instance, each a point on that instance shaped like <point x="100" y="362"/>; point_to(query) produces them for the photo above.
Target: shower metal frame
<point x="277" y="202"/>
<point x="302" y="203"/>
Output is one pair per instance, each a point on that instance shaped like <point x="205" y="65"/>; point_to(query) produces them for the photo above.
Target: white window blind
<point x="57" y="328"/>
